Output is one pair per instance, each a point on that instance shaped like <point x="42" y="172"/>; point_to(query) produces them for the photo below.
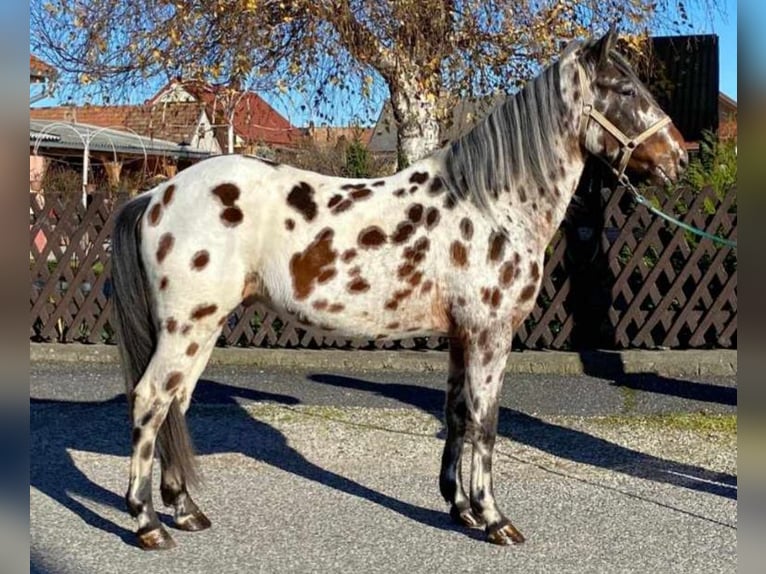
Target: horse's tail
<point x="136" y="327"/>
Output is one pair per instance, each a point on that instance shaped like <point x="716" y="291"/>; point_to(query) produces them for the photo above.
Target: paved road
<point x="529" y="393"/>
<point x="338" y="474"/>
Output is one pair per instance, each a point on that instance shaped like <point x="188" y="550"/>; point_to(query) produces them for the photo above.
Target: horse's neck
<point x="542" y="208"/>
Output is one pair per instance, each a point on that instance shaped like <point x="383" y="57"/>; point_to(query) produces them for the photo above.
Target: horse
<point x="452" y="245"/>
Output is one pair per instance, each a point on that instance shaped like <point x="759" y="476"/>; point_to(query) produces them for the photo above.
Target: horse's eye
<point x="628" y="91"/>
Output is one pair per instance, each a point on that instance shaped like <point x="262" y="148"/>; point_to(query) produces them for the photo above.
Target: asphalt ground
<point x="337" y="472"/>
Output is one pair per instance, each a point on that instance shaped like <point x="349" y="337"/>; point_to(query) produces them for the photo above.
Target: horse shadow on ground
<point x="57" y="426"/>
<point x="608" y="365"/>
<point x="557" y="440"/>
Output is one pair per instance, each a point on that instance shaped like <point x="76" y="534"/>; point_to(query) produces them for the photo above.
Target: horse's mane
<point x="512" y="146"/>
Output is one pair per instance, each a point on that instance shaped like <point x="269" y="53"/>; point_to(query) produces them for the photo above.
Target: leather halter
<point x="627" y="145"/>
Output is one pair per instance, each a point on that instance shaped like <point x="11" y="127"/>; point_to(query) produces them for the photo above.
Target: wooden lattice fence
<point x="625" y="280"/>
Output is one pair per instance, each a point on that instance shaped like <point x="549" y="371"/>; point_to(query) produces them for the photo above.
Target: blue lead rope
<point x="646" y="203"/>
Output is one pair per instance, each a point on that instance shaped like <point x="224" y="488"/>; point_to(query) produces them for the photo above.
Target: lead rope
<point x="624" y="181"/>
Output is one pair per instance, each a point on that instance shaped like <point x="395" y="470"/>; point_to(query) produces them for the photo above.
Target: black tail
<point x="137" y="333"/>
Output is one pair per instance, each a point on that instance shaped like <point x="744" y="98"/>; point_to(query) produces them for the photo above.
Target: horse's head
<point x="622" y="123"/>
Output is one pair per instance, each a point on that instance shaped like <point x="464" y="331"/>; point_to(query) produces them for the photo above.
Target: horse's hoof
<point x="465" y="517"/>
<point x="504" y="534"/>
<point x="193" y="522"/>
<point x="157" y="539"/>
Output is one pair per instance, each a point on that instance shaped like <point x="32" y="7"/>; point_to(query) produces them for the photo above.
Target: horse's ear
<point x="607" y="45"/>
<point x="599" y="52"/>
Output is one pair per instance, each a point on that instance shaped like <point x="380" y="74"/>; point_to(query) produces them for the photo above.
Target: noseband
<point x="627" y="145"/>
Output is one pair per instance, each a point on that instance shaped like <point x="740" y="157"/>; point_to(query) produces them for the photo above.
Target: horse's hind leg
<point x="485" y="368"/>
<point x="173" y="485"/>
<point x="450" y="479"/>
<point x="150" y="400"/>
<point x="156" y="405"/>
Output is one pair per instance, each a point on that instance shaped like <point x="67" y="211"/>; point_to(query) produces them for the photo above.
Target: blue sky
<point x="724" y="25"/>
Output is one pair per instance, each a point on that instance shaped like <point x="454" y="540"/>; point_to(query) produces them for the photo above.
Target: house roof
<point x="255" y="121"/>
<point x="39" y="70"/>
<point x="684" y="79"/>
<point x="55" y="134"/>
<point x="171" y="121"/>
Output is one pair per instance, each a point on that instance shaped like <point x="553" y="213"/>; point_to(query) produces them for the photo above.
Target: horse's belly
<point x="382" y="313"/>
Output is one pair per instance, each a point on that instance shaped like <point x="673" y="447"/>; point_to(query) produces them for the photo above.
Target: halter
<point x="627" y="145"/>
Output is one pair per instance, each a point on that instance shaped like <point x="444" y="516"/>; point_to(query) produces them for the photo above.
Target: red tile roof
<point x="169" y="121"/>
<point x="255" y="121"/>
<point x="40" y="69"/>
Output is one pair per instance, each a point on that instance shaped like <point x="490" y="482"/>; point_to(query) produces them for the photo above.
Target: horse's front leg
<point x="485" y="369"/>
<point x="450" y="479"/>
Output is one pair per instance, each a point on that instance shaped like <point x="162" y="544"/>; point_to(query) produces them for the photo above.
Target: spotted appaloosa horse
<point x="452" y="245"/>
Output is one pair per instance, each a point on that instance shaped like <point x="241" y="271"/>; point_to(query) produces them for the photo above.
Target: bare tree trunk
<point x="416" y="113"/>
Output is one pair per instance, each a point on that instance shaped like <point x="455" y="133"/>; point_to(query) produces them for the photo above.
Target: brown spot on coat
<point x="232" y="216"/>
<point x="415" y="213"/>
<point x="487" y="358"/>
<point x="228" y="193"/>
<point x="398" y="296"/>
<point x="483" y="336"/>
<point x="306" y="267"/>
<point x="528" y="292"/>
<point x="358" y="285"/>
<point x="466" y="228"/>
<point x="334" y="200"/>
<point x="432" y="217"/>
<point x="415" y="279"/>
<point x="167" y="195"/>
<point x="342" y="206"/>
<point x="327" y="275"/>
<point x="336" y="308"/>
<point x="497" y="243"/>
<point x="348" y="255"/>
<point x="402" y="232"/>
<point x="378" y="183"/>
<point x="372" y="237"/>
<point x="534" y="270"/>
<point x="394" y="325"/>
<point x="171" y="325"/>
<point x="400" y="192"/>
<point x="155" y="214"/>
<point x="164" y="246"/>
<point x="347" y="186"/>
<point x="320" y="304"/>
<point x="419" y="177"/>
<point x="506" y="274"/>
<point x="191" y="350"/>
<point x="496" y="297"/>
<point x="301" y="198"/>
<point x="203" y="310"/>
<point x="164" y="283"/>
<point x="426" y="286"/>
<point x="186" y="329"/>
<point x="458" y="254"/>
<point x="174" y="379"/>
<point x="200" y="259"/>
<point x="437" y="186"/>
<point x="289" y="224"/>
<point x="405" y="269"/>
<point x="146" y="451"/>
<point x="360" y="194"/>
